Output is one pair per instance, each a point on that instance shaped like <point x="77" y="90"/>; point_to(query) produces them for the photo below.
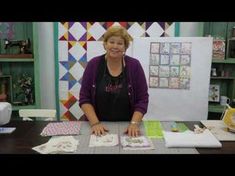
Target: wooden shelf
<point x="16" y="59"/>
<point x="16" y="56"/>
<point x="16" y="108"/>
<point x="224" y="61"/>
<point x="223" y="78"/>
<point x="5" y="76"/>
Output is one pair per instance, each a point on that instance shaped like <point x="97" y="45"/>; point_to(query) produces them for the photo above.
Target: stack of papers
<point x="6" y="130"/>
<point x="191" y="139"/>
<point x="62" y="128"/>
<point x="106" y="140"/>
<point x="58" y="144"/>
<point x="136" y="143"/>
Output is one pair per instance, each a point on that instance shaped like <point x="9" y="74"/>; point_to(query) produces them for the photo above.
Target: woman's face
<point x="115" y="47"/>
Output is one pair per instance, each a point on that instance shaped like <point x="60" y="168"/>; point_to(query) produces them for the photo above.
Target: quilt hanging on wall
<point x="77" y="42"/>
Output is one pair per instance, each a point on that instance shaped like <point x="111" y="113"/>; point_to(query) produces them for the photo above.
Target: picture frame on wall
<point x="5" y="88"/>
<point x="219" y="49"/>
<point x="214" y="93"/>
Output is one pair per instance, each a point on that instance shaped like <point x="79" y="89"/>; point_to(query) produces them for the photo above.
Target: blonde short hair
<point x="120" y="32"/>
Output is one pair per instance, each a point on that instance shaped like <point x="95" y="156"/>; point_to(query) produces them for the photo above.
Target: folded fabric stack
<point x="136" y="143"/>
<point x="58" y="144"/>
<point x="61" y="128"/>
<point x="106" y="140"/>
<point x="189" y="138"/>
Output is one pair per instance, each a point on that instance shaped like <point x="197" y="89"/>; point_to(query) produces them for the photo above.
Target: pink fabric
<point x="62" y="128"/>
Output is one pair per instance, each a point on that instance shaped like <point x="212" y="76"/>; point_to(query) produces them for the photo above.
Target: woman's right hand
<point x="99" y="129"/>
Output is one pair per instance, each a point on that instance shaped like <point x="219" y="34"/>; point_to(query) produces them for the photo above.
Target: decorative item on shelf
<point x="231" y="48"/>
<point x="226" y="73"/>
<point x="233" y="32"/>
<point x="5" y="89"/>
<point x="214" y="93"/>
<point x="233" y="103"/>
<point x="3" y="92"/>
<point x="23" y="45"/>
<point x="224" y="100"/>
<point x="222" y="73"/>
<point x="218" y="48"/>
<point x="0" y="70"/>
<point x="24" y="90"/>
<point x="213" y="72"/>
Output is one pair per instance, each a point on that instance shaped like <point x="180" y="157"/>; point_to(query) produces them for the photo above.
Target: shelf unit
<point x="216" y="108"/>
<point x="16" y="64"/>
<point x="227" y="83"/>
<point x="225" y="68"/>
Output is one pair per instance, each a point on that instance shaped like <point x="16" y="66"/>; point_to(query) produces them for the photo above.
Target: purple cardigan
<point x="137" y="85"/>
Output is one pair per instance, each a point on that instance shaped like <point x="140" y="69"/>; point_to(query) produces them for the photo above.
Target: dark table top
<point x="27" y="135"/>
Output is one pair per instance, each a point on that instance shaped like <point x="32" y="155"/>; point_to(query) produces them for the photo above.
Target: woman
<point x="114" y="86"/>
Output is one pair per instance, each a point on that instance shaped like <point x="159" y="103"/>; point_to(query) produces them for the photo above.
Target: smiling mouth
<point x="116" y="51"/>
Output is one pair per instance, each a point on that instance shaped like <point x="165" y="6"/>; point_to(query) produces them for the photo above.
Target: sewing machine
<point x="24" y="45"/>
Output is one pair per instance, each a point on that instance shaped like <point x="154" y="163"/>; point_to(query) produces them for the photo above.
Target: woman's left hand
<point x="133" y="130"/>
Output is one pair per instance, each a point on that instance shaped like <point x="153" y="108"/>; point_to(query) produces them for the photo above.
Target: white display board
<point x="189" y="102"/>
